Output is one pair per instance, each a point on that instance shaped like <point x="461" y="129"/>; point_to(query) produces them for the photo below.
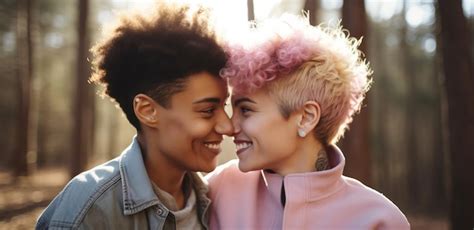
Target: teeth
<point x="243" y="145"/>
<point x="212" y="146"/>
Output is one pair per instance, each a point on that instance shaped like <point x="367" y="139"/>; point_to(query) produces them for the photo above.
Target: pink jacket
<point x="316" y="200"/>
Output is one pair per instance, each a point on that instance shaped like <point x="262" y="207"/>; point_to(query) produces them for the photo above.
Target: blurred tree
<point x="356" y="140"/>
<point x="8" y="78"/>
<point x="312" y="6"/>
<point x="459" y="85"/>
<point x="55" y="59"/>
<point x="83" y="132"/>
<point x="26" y="131"/>
<point x="402" y="60"/>
<point x="410" y="150"/>
<point x="250" y="10"/>
<point x="380" y="105"/>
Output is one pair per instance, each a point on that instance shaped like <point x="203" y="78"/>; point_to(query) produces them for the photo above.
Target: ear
<point x="146" y="110"/>
<point x="310" y="115"/>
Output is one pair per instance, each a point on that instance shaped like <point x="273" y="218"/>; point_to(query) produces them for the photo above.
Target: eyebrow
<point x="208" y="100"/>
<point x="244" y="99"/>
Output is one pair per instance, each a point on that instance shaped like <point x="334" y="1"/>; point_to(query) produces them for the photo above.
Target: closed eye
<point x="208" y="111"/>
<point x="244" y="110"/>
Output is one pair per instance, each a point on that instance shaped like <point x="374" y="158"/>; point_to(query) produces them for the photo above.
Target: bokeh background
<point x="412" y="141"/>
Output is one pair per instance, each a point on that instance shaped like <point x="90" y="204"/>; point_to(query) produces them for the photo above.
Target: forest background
<point x="413" y="140"/>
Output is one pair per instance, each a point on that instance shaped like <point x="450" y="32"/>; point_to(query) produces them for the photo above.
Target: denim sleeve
<point x="47" y="214"/>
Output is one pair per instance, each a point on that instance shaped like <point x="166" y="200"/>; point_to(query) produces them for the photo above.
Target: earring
<point x="301" y="133"/>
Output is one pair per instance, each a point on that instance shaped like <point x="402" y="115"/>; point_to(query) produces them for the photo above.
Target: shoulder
<point x="368" y="194"/>
<point x="229" y="168"/>
<point x="228" y="176"/>
<point x="368" y="198"/>
<point x="229" y="172"/>
<point x="105" y="212"/>
<point x="81" y="193"/>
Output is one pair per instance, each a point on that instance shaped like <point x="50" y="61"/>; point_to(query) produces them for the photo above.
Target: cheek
<point x="187" y="124"/>
<point x="199" y="128"/>
<point x="271" y="135"/>
<point x="279" y="141"/>
<point x="184" y="136"/>
<point x="251" y="126"/>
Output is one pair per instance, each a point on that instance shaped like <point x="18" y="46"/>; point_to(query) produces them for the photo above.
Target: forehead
<point x="201" y="86"/>
<point x="259" y="96"/>
<point x="204" y="80"/>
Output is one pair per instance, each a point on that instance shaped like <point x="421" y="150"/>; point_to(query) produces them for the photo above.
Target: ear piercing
<point x="301" y="133"/>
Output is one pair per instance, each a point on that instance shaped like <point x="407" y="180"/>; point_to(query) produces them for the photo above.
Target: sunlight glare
<point x="381" y="10"/>
<point x="230" y="16"/>
<point x="419" y="15"/>
<point x="468" y="6"/>
<point x="429" y="44"/>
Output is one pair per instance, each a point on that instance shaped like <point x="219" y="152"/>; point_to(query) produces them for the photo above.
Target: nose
<point x="236" y="123"/>
<point x="224" y="125"/>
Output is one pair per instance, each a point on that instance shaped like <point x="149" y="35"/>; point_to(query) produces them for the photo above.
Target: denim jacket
<point x="116" y="195"/>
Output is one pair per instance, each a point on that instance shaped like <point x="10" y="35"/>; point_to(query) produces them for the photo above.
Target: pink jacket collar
<point x="312" y="186"/>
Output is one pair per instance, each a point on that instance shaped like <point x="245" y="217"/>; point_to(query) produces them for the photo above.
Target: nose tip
<point x="228" y="129"/>
<point x="235" y="124"/>
<point x="225" y="126"/>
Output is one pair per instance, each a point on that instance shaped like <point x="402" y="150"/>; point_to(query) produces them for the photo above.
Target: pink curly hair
<point x="272" y="54"/>
<point x="297" y="62"/>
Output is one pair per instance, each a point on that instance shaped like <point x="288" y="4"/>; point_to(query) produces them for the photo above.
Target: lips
<point x="213" y="146"/>
<point x="242" y="145"/>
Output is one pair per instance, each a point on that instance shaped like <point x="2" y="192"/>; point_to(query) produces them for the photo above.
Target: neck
<point x="161" y="171"/>
<point x="308" y="157"/>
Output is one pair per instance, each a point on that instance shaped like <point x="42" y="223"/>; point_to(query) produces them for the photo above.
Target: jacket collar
<point x="312" y="186"/>
<point x="137" y="190"/>
<point x="201" y="187"/>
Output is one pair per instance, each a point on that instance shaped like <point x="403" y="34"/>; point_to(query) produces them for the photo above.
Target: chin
<point x="245" y="168"/>
<point x="208" y="168"/>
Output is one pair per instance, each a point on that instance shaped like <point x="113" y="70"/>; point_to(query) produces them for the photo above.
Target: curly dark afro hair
<point x="155" y="54"/>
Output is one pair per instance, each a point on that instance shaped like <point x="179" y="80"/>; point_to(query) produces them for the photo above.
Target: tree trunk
<point x="356" y="141"/>
<point x="411" y="153"/>
<point x="84" y="103"/>
<point x="311" y="6"/>
<point x="459" y="85"/>
<point x="250" y="10"/>
<point x="381" y="109"/>
<point x="24" y="142"/>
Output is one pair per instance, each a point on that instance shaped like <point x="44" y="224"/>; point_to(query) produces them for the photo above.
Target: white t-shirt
<point x="187" y="217"/>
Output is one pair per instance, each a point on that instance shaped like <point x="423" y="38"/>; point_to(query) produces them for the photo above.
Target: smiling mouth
<point x="213" y="146"/>
<point x="241" y="146"/>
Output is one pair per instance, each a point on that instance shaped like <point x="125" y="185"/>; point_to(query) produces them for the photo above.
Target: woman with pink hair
<point x="295" y="90"/>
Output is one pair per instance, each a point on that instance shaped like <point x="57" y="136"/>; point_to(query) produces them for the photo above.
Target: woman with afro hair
<point x="162" y="70"/>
